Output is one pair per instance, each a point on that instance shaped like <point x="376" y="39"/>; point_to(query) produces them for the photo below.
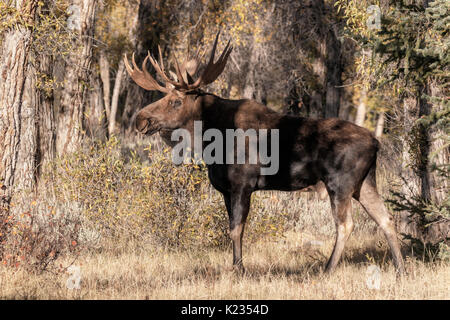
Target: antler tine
<point x="149" y="77"/>
<point x="182" y="84"/>
<point x="217" y="68"/>
<point x="159" y="69"/>
<point x="142" y="77"/>
<point x="213" y="51"/>
<point x="213" y="70"/>
<point x="127" y="64"/>
<point x="161" y="61"/>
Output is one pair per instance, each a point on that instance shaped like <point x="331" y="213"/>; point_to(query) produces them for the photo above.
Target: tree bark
<point x="440" y="155"/>
<point x="76" y="78"/>
<point x="380" y="125"/>
<point x="106" y="81"/>
<point x="250" y="83"/>
<point x="115" y="98"/>
<point x="46" y="118"/>
<point x="319" y="69"/>
<point x="17" y="108"/>
<point x="361" y="111"/>
<point x="97" y="123"/>
<point x="334" y="74"/>
<point x="142" y="40"/>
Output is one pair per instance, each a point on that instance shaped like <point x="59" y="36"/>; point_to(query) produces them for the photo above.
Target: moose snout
<point x="142" y="123"/>
<point x="146" y="125"/>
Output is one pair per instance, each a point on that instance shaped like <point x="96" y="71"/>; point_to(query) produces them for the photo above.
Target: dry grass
<point x="287" y="269"/>
<point x="284" y="267"/>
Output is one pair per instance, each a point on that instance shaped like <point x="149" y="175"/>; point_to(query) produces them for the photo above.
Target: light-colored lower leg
<point x="344" y="227"/>
<point x="373" y="204"/>
<point x="236" y="236"/>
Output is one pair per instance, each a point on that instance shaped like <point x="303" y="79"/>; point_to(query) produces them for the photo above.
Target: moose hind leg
<point x="341" y="210"/>
<point x="373" y="204"/>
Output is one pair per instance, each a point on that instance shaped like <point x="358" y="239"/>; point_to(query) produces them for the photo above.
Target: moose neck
<point x="219" y="113"/>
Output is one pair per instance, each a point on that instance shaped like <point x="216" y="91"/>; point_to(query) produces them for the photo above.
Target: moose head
<point x="179" y="105"/>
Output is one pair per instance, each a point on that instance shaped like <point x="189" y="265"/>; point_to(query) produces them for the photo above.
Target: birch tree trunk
<point x="17" y="110"/>
<point x="76" y="79"/>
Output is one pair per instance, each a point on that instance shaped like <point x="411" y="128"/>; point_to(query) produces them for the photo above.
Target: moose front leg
<point x="238" y="205"/>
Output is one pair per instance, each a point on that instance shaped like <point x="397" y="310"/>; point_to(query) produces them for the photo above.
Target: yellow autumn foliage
<point x="126" y="198"/>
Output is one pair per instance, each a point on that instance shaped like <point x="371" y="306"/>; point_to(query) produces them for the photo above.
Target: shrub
<point x="37" y="235"/>
<point x="125" y="198"/>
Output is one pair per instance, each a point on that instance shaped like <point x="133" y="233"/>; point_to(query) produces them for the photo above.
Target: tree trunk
<point x="345" y="107"/>
<point x="97" y="123"/>
<point x="76" y="77"/>
<point x="380" y="125"/>
<point x="141" y="39"/>
<point x="334" y="74"/>
<point x="17" y="108"/>
<point x="115" y="98"/>
<point x="440" y="155"/>
<point x="47" y="129"/>
<point x="25" y="175"/>
<point x="106" y="81"/>
<point x="319" y="69"/>
<point x="418" y="177"/>
<point x="361" y="111"/>
<point x="250" y="83"/>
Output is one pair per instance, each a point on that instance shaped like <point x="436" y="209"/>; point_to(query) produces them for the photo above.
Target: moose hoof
<point x="238" y="269"/>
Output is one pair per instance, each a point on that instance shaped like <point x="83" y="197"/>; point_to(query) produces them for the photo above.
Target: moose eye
<point x="176" y="103"/>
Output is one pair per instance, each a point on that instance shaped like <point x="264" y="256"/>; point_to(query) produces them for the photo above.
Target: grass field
<point x="286" y="266"/>
<point x="287" y="269"/>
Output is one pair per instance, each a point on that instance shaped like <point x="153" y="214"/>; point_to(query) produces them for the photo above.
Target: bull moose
<point x="337" y="152"/>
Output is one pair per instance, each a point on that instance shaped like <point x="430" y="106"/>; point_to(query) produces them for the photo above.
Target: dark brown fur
<point x="337" y="152"/>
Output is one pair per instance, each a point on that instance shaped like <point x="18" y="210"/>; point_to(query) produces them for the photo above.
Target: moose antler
<point x="143" y="77"/>
<point x="212" y="71"/>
